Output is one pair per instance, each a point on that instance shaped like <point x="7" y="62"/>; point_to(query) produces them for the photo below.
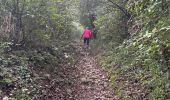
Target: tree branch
<point x="121" y="8"/>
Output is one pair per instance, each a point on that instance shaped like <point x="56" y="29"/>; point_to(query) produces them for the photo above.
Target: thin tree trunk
<point x="17" y="37"/>
<point x="53" y="29"/>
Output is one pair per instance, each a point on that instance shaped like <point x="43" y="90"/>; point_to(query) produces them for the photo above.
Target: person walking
<point x="86" y="35"/>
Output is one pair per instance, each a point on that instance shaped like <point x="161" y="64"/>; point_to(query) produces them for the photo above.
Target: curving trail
<point x="92" y="82"/>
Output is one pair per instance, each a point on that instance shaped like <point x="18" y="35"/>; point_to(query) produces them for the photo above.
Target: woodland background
<point x="132" y="44"/>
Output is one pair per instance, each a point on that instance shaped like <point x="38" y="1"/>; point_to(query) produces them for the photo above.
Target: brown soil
<point x="92" y="82"/>
<point x="84" y="81"/>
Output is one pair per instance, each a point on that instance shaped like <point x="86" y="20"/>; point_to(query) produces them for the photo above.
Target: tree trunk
<point x="17" y="20"/>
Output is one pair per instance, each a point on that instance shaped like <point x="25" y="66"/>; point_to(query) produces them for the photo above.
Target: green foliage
<point x="40" y="20"/>
<point x="111" y="24"/>
<point x="139" y="67"/>
<point x="16" y="68"/>
<point x="34" y="36"/>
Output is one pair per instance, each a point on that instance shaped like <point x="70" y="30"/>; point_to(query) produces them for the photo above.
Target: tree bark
<point x="17" y="20"/>
<point x="52" y="27"/>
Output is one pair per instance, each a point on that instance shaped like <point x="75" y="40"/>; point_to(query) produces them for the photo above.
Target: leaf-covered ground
<point x="83" y="81"/>
<point x="76" y="76"/>
<point x="92" y="82"/>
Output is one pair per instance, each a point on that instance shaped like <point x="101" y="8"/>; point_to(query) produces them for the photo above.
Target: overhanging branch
<point x="121" y="8"/>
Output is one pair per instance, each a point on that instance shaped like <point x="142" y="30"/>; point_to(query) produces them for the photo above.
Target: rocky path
<point x="92" y="82"/>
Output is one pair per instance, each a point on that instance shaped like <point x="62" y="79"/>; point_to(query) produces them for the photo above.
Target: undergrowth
<point x="139" y="67"/>
<point x="18" y="68"/>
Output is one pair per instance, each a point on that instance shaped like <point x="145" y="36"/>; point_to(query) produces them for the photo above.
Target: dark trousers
<point x="86" y="41"/>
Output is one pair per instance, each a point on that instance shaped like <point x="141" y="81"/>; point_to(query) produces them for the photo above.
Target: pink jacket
<point x="87" y="33"/>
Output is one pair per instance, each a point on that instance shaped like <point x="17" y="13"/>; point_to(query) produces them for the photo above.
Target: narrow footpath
<point x="83" y="81"/>
<point x="92" y="82"/>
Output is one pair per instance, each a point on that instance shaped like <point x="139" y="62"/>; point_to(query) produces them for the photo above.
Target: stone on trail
<point x="86" y="80"/>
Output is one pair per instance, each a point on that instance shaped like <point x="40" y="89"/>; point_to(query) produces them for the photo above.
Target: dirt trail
<point x="92" y="82"/>
<point x="84" y="81"/>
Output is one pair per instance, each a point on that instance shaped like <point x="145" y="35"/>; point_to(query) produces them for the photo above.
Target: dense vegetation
<point x="35" y="36"/>
<point x="138" y="66"/>
<point x="132" y="45"/>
